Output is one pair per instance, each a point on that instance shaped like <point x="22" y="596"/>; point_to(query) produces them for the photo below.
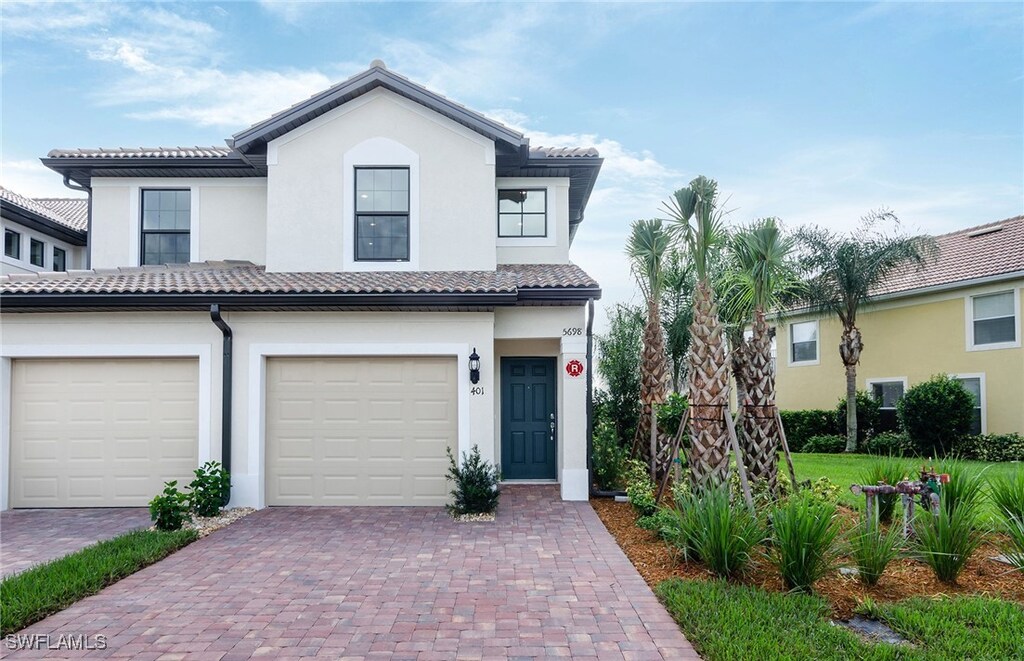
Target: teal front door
<point x="529" y="426"/>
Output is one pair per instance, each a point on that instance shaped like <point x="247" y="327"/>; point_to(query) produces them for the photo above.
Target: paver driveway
<point x="545" y="579"/>
<point x="29" y="537"/>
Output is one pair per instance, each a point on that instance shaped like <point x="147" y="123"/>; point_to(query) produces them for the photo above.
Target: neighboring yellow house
<point x="961" y="315"/>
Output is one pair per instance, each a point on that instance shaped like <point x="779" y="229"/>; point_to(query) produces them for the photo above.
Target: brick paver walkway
<point x="29" y="537"/>
<point x="546" y="579"/>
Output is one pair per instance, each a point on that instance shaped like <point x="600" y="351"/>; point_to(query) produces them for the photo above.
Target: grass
<point x="45" y="589"/>
<point x="726" y="622"/>
<point x="847" y="469"/>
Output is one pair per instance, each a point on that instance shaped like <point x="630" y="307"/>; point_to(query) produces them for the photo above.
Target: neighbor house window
<point x="166" y="217"/>
<point x="36" y="252"/>
<point x="60" y="259"/>
<point x="994" y="319"/>
<point x="382" y="214"/>
<point x="522" y="212"/>
<point x="973" y="385"/>
<point x="887" y="394"/>
<point x="12" y="244"/>
<point x="803" y="342"/>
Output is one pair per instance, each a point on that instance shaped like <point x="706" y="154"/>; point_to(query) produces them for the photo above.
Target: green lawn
<point x="40" y="591"/>
<point x="847" y="469"/>
<point x="726" y="622"/>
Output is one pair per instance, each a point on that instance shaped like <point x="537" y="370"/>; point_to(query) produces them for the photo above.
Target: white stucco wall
<point x="75" y="254"/>
<point x="311" y="187"/>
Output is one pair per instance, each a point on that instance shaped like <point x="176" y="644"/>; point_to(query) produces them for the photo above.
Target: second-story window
<point x="166" y="216"/>
<point x="60" y="259"/>
<point x="382" y="214"/>
<point x="522" y="213"/>
<point x="36" y="252"/>
<point x="12" y="244"/>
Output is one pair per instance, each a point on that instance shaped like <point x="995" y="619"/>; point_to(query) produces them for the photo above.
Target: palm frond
<point x="647" y="249"/>
<point x="695" y="217"/>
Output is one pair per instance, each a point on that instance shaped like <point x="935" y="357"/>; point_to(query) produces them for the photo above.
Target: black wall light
<point x="474" y="366"/>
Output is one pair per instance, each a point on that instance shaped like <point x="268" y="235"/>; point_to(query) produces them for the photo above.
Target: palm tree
<point x="845" y="273"/>
<point x="647" y="249"/>
<point x="764" y="275"/>
<point x="677" y="314"/>
<point x="696" y="218"/>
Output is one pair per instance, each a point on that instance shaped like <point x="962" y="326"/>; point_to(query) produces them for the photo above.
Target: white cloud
<point x="31" y="179"/>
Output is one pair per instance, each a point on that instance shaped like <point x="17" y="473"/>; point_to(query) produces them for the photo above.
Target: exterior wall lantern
<point x="474" y="367"/>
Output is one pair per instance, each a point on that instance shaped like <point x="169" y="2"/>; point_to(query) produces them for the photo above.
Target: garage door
<point x="359" y="431"/>
<point x="101" y="432"/>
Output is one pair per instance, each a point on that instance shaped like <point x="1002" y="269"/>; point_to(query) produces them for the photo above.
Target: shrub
<point x="657" y="523"/>
<point x="169" y="510"/>
<point x="1007" y="494"/>
<point x="609" y="460"/>
<point x="802" y="425"/>
<point x="889" y="444"/>
<point x="885" y="470"/>
<point x="831" y="444"/>
<point x="964" y="489"/>
<point x="721" y="533"/>
<point x="476" y="484"/>
<point x="936" y="414"/>
<point x="670" y="415"/>
<point x="211" y="489"/>
<point x="868" y="416"/>
<point x="679" y="530"/>
<point x="992" y="447"/>
<point x="945" y="542"/>
<point x="804" y="533"/>
<point x="639" y="488"/>
<point x="873" y="549"/>
<point x="1013" y="549"/>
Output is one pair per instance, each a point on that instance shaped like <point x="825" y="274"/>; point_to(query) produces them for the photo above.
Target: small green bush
<point x="609" y="460"/>
<point x="679" y="531"/>
<point x="873" y="549"/>
<point x="804" y="533"/>
<point x="832" y="444"/>
<point x="992" y="447"/>
<point x="947" y="541"/>
<point x="885" y="470"/>
<point x="721" y="533"/>
<point x="475" y="484"/>
<point x="211" y="489"/>
<point x="889" y="444"/>
<point x="170" y="509"/>
<point x="1007" y="494"/>
<point x="936" y="414"/>
<point x="639" y="488"/>
<point x="670" y="414"/>
<point x="663" y="517"/>
<point x="966" y="486"/>
<point x="868" y="416"/>
<point x="1013" y="548"/>
<point x="802" y="425"/>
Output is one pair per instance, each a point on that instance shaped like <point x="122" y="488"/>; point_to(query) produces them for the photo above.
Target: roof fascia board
<point x="34" y="221"/>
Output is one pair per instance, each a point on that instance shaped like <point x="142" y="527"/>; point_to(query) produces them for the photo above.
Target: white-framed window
<point x="888" y="392"/>
<point x="803" y="343"/>
<point x="382" y="214"/>
<point x="166" y="226"/>
<point x="993" y="320"/>
<point x="12" y="244"/>
<point x="975" y="384"/>
<point x="522" y="212"/>
<point x="36" y="253"/>
<point x="60" y="259"/>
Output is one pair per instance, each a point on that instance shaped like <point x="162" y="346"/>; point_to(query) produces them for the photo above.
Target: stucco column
<point x="572" y="361"/>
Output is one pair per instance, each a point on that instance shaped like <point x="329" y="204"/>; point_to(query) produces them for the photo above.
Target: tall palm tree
<point x="647" y="249"/>
<point x="765" y="274"/>
<point x="696" y="218"/>
<point x="845" y="273"/>
<point x="677" y="314"/>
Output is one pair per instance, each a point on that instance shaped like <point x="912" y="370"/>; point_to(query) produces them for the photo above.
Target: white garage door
<point x="359" y="430"/>
<point x="101" y="432"/>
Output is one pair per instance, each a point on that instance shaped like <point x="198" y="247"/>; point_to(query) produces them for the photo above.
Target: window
<point x="887" y="393"/>
<point x="36" y="252"/>
<point x="382" y="214"/>
<point x="12" y="244"/>
<point x="994" y="319"/>
<point x="60" y="259"/>
<point x="522" y="212"/>
<point x="973" y="385"/>
<point x="803" y="340"/>
<point x="166" y="215"/>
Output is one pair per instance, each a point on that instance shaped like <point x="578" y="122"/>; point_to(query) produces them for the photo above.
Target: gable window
<point x="12" y="244"/>
<point x="36" y="252"/>
<point x="522" y="212"/>
<point x="887" y="393"/>
<point x="382" y="214"/>
<point x="994" y="320"/>
<point x="60" y="259"/>
<point x="166" y="217"/>
<point x="973" y="385"/>
<point x="803" y="342"/>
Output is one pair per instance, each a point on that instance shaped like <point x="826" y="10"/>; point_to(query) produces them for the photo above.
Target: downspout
<point x="88" y="218"/>
<point x="590" y="393"/>
<point x="225" y="393"/>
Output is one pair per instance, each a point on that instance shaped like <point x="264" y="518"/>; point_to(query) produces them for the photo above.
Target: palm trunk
<point x="850" y="347"/>
<point x="709" y="388"/>
<point x="761" y="435"/>
<point x="655" y="377"/>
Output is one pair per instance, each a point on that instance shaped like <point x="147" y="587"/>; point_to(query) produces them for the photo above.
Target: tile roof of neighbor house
<point x="70" y="212"/>
<point x="246" y="278"/>
<point x="144" y="152"/>
<point x="984" y="251"/>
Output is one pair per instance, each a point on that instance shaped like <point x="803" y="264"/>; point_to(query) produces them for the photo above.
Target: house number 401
<point x="476" y="390"/>
<point x="572" y="331"/>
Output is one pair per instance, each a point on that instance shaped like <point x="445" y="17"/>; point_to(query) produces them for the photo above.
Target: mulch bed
<point x="903" y="578"/>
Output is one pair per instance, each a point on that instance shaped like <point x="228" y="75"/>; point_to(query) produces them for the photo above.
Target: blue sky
<point x="815" y="113"/>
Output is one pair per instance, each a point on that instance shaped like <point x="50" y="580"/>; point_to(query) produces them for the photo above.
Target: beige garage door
<point x="359" y="430"/>
<point x="101" y="432"/>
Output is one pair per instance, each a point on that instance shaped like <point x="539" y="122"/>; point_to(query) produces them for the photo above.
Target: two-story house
<point x="326" y="304"/>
